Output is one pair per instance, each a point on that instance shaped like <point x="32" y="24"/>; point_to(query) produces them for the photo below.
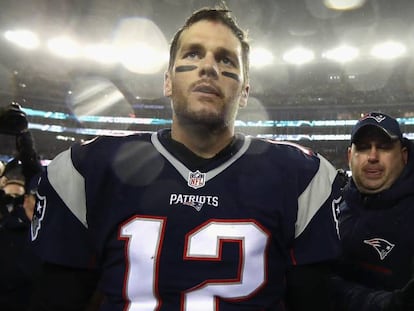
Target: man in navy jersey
<point x="376" y="219"/>
<point x="196" y="217"/>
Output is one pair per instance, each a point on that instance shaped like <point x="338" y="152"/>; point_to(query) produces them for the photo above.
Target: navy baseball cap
<point x="380" y="120"/>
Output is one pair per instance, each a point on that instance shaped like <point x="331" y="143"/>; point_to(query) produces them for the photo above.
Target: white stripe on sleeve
<point x="315" y="194"/>
<point x="69" y="184"/>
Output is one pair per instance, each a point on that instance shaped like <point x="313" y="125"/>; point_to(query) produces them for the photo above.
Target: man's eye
<point x="385" y="146"/>
<point x="361" y="147"/>
<point x="227" y="61"/>
<point x="191" y="55"/>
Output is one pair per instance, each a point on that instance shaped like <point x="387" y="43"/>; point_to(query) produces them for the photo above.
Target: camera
<point x="13" y="120"/>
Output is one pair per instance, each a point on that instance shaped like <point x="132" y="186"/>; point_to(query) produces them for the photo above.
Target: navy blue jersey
<point x="169" y="238"/>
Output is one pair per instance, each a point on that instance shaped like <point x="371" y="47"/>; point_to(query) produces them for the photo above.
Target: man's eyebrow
<point x="224" y="51"/>
<point x="191" y="46"/>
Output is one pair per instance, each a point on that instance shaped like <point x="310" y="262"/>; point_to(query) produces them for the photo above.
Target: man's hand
<point x="13" y="120"/>
<point x="402" y="299"/>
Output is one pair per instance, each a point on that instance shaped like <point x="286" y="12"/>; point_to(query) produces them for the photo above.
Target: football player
<point x="196" y="217"/>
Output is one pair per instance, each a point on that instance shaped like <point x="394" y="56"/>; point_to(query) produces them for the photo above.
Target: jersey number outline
<point x="144" y="238"/>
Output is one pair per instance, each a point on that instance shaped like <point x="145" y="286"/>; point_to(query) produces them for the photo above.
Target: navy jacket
<point x="378" y="242"/>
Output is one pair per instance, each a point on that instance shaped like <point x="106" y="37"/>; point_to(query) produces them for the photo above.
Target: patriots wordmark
<point x="195" y="201"/>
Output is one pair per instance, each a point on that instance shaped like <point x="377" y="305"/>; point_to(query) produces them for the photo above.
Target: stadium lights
<point x="388" y="50"/>
<point x="146" y="52"/>
<point x="342" y="54"/>
<point x="23" y="38"/>
<point x="64" y="47"/>
<point x="298" y="56"/>
<point x="260" y="57"/>
<point x="344" y="4"/>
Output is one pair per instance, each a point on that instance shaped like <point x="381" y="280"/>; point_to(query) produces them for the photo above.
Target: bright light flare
<point x="388" y="50"/>
<point x="143" y="45"/>
<point x="260" y="57"/>
<point x="101" y="53"/>
<point x="344" y="4"/>
<point x="342" y="54"/>
<point x="64" y="47"/>
<point x="299" y="56"/>
<point x="23" y="38"/>
<point x="142" y="58"/>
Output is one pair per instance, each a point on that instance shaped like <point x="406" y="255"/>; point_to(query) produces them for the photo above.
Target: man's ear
<point x="244" y="96"/>
<point x="405" y="154"/>
<point x="349" y="156"/>
<point x="167" y="84"/>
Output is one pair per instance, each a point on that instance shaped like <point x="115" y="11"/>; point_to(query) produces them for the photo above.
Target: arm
<point x="28" y="156"/>
<point x="402" y="299"/>
<point x="308" y="287"/>
<point x="352" y="296"/>
<point x="63" y="288"/>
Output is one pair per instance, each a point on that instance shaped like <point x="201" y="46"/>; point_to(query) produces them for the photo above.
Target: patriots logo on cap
<point x="379" y="118"/>
<point x="383" y="247"/>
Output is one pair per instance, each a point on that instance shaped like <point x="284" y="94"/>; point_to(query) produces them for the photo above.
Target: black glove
<point x="26" y="153"/>
<point x="25" y="143"/>
<point x="402" y="299"/>
<point x="13" y="120"/>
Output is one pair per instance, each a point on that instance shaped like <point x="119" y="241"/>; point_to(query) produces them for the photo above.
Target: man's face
<point x="206" y="83"/>
<point x="375" y="160"/>
<point x="13" y="189"/>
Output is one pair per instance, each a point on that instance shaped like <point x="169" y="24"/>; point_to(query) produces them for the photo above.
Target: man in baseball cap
<point x="376" y="219"/>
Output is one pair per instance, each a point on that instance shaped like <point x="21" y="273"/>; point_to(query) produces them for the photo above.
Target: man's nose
<point x="373" y="154"/>
<point x="209" y="67"/>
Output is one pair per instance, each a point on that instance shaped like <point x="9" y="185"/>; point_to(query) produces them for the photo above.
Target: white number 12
<point x="144" y="237"/>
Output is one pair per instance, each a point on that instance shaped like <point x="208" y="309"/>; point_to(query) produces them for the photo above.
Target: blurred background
<point x="84" y="68"/>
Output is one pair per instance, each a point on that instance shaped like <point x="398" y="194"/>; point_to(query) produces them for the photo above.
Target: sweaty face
<point x="376" y="161"/>
<point x="206" y="83"/>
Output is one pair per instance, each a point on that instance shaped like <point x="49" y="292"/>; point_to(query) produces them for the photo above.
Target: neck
<point x="202" y="141"/>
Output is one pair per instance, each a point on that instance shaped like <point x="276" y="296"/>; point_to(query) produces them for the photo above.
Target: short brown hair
<point x="218" y="14"/>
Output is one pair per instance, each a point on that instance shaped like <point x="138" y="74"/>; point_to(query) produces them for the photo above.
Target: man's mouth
<point x="207" y="89"/>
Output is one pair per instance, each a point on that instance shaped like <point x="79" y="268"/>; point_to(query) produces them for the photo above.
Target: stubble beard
<point x="204" y="118"/>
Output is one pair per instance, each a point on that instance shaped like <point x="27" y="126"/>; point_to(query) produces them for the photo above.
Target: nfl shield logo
<point x="196" y="179"/>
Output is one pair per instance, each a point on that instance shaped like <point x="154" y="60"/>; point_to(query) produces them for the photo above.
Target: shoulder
<point x="105" y="146"/>
<point x="98" y="153"/>
<point x="287" y="153"/>
<point x="283" y="146"/>
<point x="106" y="143"/>
<point x="299" y="159"/>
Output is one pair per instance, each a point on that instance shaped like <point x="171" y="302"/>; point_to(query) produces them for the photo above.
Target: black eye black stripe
<point x="231" y="75"/>
<point x="185" y="68"/>
<point x="193" y="67"/>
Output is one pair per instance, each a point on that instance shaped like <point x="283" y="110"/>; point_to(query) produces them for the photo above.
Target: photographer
<point x="13" y="121"/>
<point x="18" y="264"/>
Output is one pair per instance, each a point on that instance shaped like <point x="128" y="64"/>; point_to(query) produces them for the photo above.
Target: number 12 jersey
<point x="167" y="234"/>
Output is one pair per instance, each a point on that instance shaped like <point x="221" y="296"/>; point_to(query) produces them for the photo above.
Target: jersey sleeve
<point x="316" y="229"/>
<point x="59" y="230"/>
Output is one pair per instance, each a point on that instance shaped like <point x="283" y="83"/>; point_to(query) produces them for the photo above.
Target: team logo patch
<point x="38" y="215"/>
<point x="196" y="179"/>
<point x="379" y="118"/>
<point x="336" y="203"/>
<point x="383" y="247"/>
